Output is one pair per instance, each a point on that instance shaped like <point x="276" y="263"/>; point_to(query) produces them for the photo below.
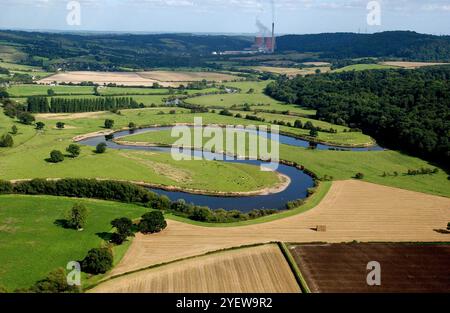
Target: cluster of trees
<point x="399" y="44"/>
<point x="401" y="109"/>
<point x="128" y="193"/>
<point x="57" y="156"/>
<point x="40" y="104"/>
<point x="422" y="171"/>
<point x="195" y="108"/>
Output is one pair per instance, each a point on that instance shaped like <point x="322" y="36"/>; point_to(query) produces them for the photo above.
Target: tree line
<point x="74" y="105"/>
<point x="407" y="110"/>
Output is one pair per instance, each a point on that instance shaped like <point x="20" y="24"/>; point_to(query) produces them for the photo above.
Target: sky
<point x="227" y="16"/>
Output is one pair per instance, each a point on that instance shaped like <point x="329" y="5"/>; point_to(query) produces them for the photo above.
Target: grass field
<point x="260" y="269"/>
<point x="158" y="169"/>
<point x="32" y="244"/>
<point x="39" y="90"/>
<point x="410" y="65"/>
<point x="351" y="210"/>
<point x="290" y="71"/>
<point x="363" y="67"/>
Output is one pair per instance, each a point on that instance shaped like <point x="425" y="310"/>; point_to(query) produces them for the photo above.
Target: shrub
<point x="74" y="150"/>
<point x="132" y="125"/>
<point x="77" y="216"/>
<point x="6" y="187"/>
<point x="97" y="261"/>
<point x="152" y="222"/>
<point x="56" y="156"/>
<point x="60" y="125"/>
<point x="6" y="140"/>
<point x="359" y="176"/>
<point x="101" y="148"/>
<point x="313" y="132"/>
<point x="26" y="118"/>
<point x="200" y="214"/>
<point x="14" y="130"/>
<point x="109" y="123"/>
<point x="40" y="125"/>
<point x="55" y="282"/>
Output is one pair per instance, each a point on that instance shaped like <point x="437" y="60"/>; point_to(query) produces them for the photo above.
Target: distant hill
<point x="399" y="44"/>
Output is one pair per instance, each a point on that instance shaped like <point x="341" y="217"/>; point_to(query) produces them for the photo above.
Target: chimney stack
<point x="273" y="37"/>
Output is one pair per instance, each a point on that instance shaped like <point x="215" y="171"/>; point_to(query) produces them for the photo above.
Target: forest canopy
<point x="402" y="109"/>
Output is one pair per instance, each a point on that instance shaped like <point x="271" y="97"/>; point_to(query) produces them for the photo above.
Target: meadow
<point x="32" y="242"/>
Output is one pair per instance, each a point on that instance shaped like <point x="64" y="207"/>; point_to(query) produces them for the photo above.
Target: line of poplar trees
<point x="73" y="105"/>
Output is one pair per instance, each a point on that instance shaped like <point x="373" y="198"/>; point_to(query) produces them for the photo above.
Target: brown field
<point x="164" y="78"/>
<point x="352" y="210"/>
<point x="411" y="65"/>
<point x="408" y="268"/>
<point x="316" y="63"/>
<point x="261" y="269"/>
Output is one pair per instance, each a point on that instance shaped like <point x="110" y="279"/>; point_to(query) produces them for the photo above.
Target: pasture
<point x="364" y="67"/>
<point x="39" y="90"/>
<point x="260" y="269"/>
<point x="33" y="244"/>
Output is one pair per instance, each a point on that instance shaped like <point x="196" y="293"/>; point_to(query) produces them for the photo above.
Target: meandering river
<point x="297" y="189"/>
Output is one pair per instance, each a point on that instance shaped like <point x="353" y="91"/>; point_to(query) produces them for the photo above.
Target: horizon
<point x="226" y="16"/>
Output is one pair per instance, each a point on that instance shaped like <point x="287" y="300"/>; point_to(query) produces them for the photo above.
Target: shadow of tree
<point x="105" y="236"/>
<point x="62" y="223"/>
<point x="442" y="231"/>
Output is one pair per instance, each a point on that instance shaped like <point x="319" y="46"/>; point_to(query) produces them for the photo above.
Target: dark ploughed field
<point x="404" y="267"/>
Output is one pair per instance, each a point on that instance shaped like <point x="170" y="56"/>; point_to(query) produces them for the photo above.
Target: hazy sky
<point x="227" y="16"/>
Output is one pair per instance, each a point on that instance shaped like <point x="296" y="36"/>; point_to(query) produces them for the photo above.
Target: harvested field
<point x="411" y="268"/>
<point x="69" y="116"/>
<point x="352" y="210"/>
<point x="411" y="65"/>
<point x="175" y="76"/>
<point x="261" y="269"/>
<point x="163" y="78"/>
<point x="101" y="78"/>
<point x="316" y="63"/>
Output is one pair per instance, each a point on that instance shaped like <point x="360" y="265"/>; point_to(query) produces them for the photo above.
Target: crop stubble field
<point x="408" y="268"/>
<point x="351" y="210"/>
<point x="163" y="78"/>
<point x="261" y="269"/>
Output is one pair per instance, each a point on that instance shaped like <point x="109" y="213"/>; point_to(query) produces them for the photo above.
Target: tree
<point x="98" y="261"/>
<point x="298" y="124"/>
<point x="60" y="125"/>
<point x="74" y="150"/>
<point x="77" y="216"/>
<point x="448" y="226"/>
<point x="132" y="126"/>
<point x="109" y="123"/>
<point x="124" y="229"/>
<point x="26" y="118"/>
<point x="56" y="156"/>
<point x="40" y="125"/>
<point x="359" y="176"/>
<point x="313" y="132"/>
<point x="101" y="148"/>
<point x="50" y="92"/>
<point x="55" y="282"/>
<point x="152" y="222"/>
<point x="14" y="130"/>
<point x="6" y="141"/>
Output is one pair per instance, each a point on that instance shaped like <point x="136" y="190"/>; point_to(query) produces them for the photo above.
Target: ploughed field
<point x="261" y="269"/>
<point x="411" y="268"/>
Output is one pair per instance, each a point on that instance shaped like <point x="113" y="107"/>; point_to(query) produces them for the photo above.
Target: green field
<point x="28" y="160"/>
<point x="111" y="91"/>
<point x="32" y="244"/>
<point x="363" y="67"/>
<point x="345" y="164"/>
<point x="41" y="90"/>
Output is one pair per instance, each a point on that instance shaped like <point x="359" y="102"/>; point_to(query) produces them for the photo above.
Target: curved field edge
<point x="272" y="264"/>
